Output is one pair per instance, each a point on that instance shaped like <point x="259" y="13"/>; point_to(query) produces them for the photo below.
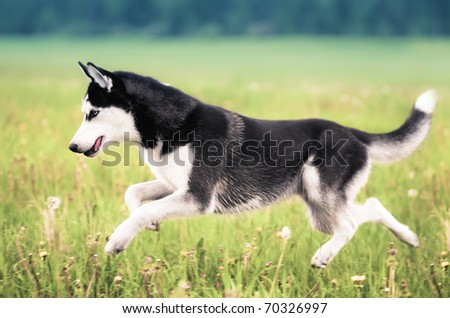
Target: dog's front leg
<point x="177" y="204"/>
<point x="138" y="193"/>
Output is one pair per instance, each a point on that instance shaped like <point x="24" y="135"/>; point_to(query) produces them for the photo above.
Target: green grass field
<point x="369" y="84"/>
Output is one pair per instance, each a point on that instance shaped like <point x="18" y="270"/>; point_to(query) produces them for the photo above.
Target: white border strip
<point x="176" y="307"/>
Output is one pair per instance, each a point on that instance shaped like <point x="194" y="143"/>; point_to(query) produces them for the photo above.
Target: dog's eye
<point x="92" y="114"/>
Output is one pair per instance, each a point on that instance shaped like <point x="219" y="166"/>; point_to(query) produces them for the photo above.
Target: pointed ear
<point x="98" y="75"/>
<point x="85" y="70"/>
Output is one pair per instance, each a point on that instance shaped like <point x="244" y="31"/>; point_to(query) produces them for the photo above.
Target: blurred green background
<point x="226" y="17"/>
<point x="360" y="63"/>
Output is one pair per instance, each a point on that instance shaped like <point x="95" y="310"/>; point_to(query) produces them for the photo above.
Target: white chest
<point x="174" y="168"/>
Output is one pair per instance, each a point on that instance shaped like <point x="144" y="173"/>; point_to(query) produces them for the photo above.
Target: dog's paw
<point x="321" y="259"/>
<point x="120" y="239"/>
<point x="407" y="236"/>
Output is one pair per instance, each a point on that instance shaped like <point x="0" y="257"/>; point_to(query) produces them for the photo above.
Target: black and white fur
<point x="168" y="124"/>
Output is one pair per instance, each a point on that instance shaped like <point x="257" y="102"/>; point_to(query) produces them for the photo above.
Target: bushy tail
<point x="400" y="143"/>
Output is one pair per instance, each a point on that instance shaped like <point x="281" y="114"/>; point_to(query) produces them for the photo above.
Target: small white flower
<point x="358" y="278"/>
<point x="412" y="193"/>
<point x="285" y="233"/>
<point x="184" y="285"/>
<point x="43" y="255"/>
<point x="118" y="279"/>
<point x="53" y="202"/>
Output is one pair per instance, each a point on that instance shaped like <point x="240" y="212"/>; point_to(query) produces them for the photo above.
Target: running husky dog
<point x="210" y="160"/>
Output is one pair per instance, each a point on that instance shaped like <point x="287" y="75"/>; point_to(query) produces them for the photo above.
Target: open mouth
<point x="94" y="149"/>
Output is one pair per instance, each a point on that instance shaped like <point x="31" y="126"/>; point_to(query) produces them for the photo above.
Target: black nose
<point x="74" y="148"/>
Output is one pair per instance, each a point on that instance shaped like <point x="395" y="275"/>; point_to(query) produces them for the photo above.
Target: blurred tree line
<point x="226" y="17"/>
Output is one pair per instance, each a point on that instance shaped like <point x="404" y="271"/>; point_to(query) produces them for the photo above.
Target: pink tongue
<point x="97" y="143"/>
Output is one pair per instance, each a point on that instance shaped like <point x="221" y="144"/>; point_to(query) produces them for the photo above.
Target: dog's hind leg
<point x="348" y="222"/>
<point x="328" y="212"/>
<point x="373" y="211"/>
<point x="344" y="229"/>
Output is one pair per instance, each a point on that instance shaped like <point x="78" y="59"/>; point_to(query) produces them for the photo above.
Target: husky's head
<point x="107" y="113"/>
